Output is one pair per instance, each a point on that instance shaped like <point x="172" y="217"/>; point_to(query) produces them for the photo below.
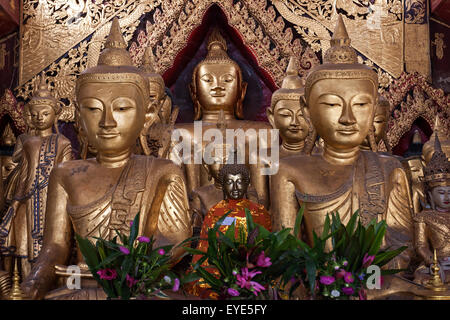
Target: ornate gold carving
<point x="9" y="105"/>
<point x="376" y="29"/>
<point x="422" y="100"/>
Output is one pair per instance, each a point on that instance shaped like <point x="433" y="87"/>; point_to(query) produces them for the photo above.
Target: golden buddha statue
<point x="8" y="140"/>
<point x="22" y="227"/>
<point x="341" y="95"/>
<point x="444" y="137"/>
<point x="432" y="226"/>
<point x="380" y="122"/>
<point x="286" y="114"/>
<point x="217" y="84"/>
<point x="96" y="196"/>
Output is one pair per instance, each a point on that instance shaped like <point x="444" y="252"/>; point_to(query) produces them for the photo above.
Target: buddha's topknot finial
<point x="115" y="53"/>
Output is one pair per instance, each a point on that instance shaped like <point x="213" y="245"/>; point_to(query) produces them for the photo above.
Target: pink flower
<point x="243" y="279"/>
<point x="256" y="287"/>
<point x="233" y="292"/>
<point x="143" y="239"/>
<point x="348" y="290"/>
<point x="107" y="274"/>
<point x="263" y="261"/>
<point x="326" y="280"/>
<point x="176" y="285"/>
<point x="161" y="251"/>
<point x="367" y="260"/>
<point x="340" y="274"/>
<point x="124" y="250"/>
<point x="348" y="278"/>
<point x="130" y="281"/>
<point x="131" y="224"/>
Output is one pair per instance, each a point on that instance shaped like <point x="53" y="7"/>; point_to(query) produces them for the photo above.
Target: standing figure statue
<point x="22" y="227"/>
<point x="432" y="226"/>
<point x="96" y="196"/>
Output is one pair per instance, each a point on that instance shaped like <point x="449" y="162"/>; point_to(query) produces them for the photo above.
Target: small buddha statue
<point x="217" y="84"/>
<point x="379" y="129"/>
<point x="428" y="147"/>
<point x="432" y="225"/>
<point x="96" y="196"/>
<point x="234" y="180"/>
<point x="413" y="166"/>
<point x="22" y="227"/>
<point x="205" y="197"/>
<point x="341" y="96"/>
<point x="286" y="114"/>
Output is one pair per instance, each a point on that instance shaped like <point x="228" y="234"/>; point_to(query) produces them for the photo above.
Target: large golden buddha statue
<point x="22" y="227"/>
<point x="217" y="84"/>
<point x="96" y="196"/>
<point x="341" y="95"/>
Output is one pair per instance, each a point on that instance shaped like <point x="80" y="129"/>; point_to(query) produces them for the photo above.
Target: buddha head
<point x="341" y="95"/>
<point x="437" y="179"/>
<point x="286" y="109"/>
<point x="43" y="107"/>
<point x="429" y="146"/>
<point x="113" y="99"/>
<point x="235" y="179"/>
<point x="380" y="121"/>
<point x="217" y="82"/>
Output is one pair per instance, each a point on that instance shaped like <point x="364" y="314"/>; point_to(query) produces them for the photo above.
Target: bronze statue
<point x="341" y="95"/>
<point x="428" y="147"/>
<point x="22" y="227"/>
<point x="96" y="196"/>
<point x="432" y="226"/>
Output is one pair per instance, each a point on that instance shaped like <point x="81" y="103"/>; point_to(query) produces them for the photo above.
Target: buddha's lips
<point x="217" y="94"/>
<point x="108" y="135"/>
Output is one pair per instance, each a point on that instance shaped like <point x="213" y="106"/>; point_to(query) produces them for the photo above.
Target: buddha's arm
<point x="67" y="152"/>
<point x="284" y="205"/>
<point x="399" y="208"/>
<point x="17" y="153"/>
<point x="174" y="222"/>
<point x="261" y="183"/>
<point x="421" y="243"/>
<point x="56" y="244"/>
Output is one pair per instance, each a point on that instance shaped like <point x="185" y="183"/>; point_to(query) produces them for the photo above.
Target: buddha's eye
<point x="228" y="78"/>
<point x="206" y="78"/>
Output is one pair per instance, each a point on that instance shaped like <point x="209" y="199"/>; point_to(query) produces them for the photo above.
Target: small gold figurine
<point x="16" y="292"/>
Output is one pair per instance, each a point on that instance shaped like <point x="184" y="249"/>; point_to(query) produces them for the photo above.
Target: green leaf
<point x="134" y="230"/>
<point x="326" y="228"/>
<point x="109" y="260"/>
<point x="378" y="239"/>
<point x="89" y="252"/>
<point x="298" y="222"/>
<point x="249" y="219"/>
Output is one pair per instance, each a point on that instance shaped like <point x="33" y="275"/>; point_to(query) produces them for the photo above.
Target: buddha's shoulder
<point x="62" y="139"/>
<point x="69" y="168"/>
<point x="157" y="166"/>
<point x="300" y="162"/>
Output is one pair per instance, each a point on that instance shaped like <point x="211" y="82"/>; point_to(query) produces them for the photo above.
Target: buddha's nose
<point x="107" y="120"/>
<point x="347" y="116"/>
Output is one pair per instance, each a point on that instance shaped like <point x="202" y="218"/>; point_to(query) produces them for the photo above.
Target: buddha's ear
<point x="270" y="117"/>
<point x="305" y="107"/>
<point x="243" y="91"/>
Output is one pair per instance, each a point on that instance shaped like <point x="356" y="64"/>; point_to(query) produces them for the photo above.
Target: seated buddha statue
<point x="380" y="121"/>
<point x="22" y="227"/>
<point x="234" y="180"/>
<point x="217" y="84"/>
<point x="341" y="95"/>
<point x="432" y="226"/>
<point x="286" y="114"/>
<point x="96" y="196"/>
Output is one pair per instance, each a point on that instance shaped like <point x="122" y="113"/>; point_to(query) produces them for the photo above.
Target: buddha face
<point x="288" y="117"/>
<point x="415" y="168"/>
<point x="112" y="115"/>
<point x="440" y="196"/>
<point x="342" y="111"/>
<point x="379" y="123"/>
<point x="234" y="186"/>
<point x="42" y="116"/>
<point x="217" y="86"/>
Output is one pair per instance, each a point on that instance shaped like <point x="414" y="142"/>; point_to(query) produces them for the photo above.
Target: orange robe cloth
<point x="259" y="214"/>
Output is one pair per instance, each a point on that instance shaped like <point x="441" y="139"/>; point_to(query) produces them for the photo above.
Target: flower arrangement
<point x="341" y="271"/>
<point x="246" y="266"/>
<point x="131" y="268"/>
